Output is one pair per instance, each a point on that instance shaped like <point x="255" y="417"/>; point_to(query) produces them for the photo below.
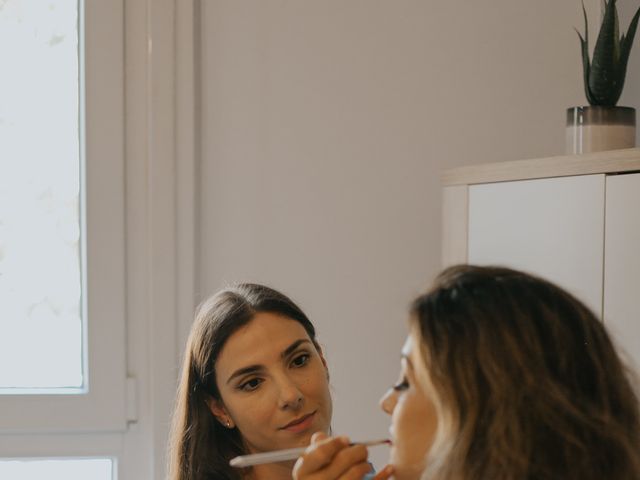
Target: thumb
<point x="385" y="473"/>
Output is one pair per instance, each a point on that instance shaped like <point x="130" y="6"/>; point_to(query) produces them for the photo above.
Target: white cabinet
<point x="550" y="227"/>
<point x="622" y="262"/>
<point x="574" y="220"/>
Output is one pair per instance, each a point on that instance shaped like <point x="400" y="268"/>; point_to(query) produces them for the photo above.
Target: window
<point x="62" y="325"/>
<point x="57" y="469"/>
<point x="40" y="246"/>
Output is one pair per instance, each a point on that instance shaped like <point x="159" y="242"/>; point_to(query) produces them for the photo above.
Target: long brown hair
<point x="528" y="380"/>
<point x="200" y="447"/>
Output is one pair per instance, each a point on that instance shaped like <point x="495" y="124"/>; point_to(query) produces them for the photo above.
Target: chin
<point x="404" y="470"/>
<point x="321" y="425"/>
<point x="406" y="473"/>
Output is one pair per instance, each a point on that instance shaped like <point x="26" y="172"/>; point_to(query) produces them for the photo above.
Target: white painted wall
<point x="324" y="128"/>
<point x="631" y="93"/>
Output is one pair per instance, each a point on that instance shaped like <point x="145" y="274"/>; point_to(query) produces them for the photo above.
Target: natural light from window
<point x="41" y="332"/>
<point x="60" y="469"/>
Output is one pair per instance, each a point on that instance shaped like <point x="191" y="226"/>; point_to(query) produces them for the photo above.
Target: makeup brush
<point x="285" y="455"/>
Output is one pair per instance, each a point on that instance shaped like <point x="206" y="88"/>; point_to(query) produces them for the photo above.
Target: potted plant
<point x="602" y="125"/>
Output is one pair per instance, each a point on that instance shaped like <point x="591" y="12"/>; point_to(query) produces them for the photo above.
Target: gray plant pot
<point x="595" y="129"/>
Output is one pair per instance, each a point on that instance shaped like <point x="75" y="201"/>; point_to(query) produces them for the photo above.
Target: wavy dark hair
<point x="528" y="383"/>
<point x="200" y="448"/>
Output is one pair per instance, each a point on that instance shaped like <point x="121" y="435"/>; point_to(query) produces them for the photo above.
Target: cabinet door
<point x="552" y="227"/>
<point x="622" y="267"/>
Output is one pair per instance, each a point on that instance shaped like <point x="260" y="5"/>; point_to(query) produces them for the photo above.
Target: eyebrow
<point x="256" y="368"/>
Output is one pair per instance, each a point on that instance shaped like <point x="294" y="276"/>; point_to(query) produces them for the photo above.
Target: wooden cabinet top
<point x="612" y="161"/>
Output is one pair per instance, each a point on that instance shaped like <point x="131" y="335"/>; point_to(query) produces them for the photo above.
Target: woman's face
<point x="413" y="417"/>
<point x="273" y="383"/>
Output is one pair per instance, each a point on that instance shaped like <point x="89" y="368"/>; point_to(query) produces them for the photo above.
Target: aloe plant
<point x="604" y="76"/>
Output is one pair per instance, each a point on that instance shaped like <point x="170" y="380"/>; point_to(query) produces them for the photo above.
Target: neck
<point x="271" y="471"/>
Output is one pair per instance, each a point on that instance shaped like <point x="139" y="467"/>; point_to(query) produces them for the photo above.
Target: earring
<point x="228" y="424"/>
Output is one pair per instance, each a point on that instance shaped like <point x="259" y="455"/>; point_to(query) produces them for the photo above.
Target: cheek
<point x="314" y="385"/>
<point x="414" y="423"/>
<point x="251" y="412"/>
<point x="313" y="382"/>
<point x="256" y="419"/>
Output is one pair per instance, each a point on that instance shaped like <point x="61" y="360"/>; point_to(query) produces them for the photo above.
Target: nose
<point x="291" y="398"/>
<point x="388" y="401"/>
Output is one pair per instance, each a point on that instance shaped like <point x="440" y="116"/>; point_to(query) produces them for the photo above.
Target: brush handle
<point x="284" y="455"/>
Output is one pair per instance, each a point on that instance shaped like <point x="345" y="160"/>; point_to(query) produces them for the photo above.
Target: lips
<point x="300" y="424"/>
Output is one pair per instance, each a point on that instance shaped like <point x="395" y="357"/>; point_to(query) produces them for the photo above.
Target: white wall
<point x="324" y="128"/>
<point x="631" y="93"/>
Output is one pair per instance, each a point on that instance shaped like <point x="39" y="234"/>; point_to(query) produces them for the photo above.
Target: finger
<point x="318" y="437"/>
<point x="356" y="472"/>
<point x="319" y="454"/>
<point x="346" y="459"/>
<point x="385" y="473"/>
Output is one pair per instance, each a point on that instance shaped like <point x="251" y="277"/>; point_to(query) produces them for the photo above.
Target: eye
<point x="250" y="385"/>
<point x="403" y="385"/>
<point x="300" y="360"/>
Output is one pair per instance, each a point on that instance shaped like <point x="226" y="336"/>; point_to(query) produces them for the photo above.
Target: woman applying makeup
<point x="504" y="376"/>
<point x="254" y="379"/>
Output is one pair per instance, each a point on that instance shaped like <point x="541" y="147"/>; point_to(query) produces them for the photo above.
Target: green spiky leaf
<point x="616" y="34"/>
<point x="604" y="76"/>
<point x="586" y="63"/>
<point x="604" y="81"/>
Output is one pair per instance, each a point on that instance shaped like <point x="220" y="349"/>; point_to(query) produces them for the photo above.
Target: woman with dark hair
<point x="504" y="376"/>
<point x="254" y="379"/>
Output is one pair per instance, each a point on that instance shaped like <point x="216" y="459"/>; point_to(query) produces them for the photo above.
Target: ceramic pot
<point x="596" y="128"/>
